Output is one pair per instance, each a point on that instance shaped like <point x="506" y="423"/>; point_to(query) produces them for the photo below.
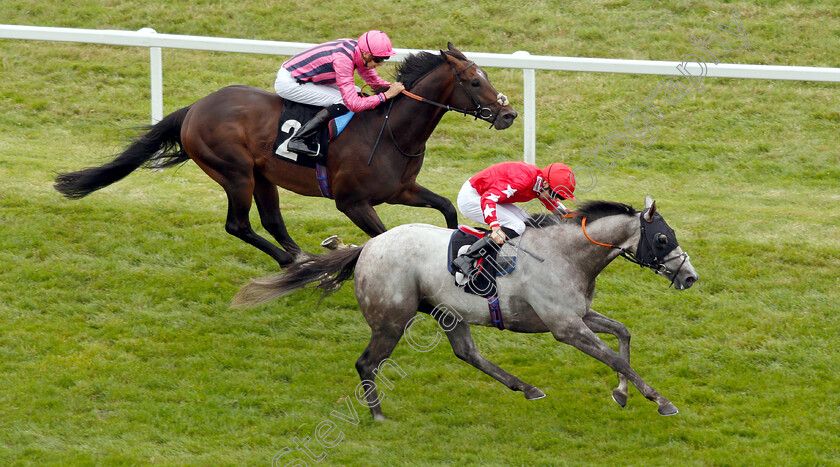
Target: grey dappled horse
<point x="403" y="271"/>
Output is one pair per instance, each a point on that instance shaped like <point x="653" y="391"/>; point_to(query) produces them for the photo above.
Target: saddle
<point x="293" y="117"/>
<point x="496" y="261"/>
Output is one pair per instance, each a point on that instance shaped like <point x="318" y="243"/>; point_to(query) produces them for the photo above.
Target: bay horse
<point x="375" y="160"/>
<point x="403" y="271"/>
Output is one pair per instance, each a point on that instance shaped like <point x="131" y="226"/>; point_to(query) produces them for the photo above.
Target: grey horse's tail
<point x="329" y="271"/>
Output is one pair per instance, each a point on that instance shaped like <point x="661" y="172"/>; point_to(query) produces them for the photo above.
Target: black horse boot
<point x="465" y="263"/>
<point x="303" y="142"/>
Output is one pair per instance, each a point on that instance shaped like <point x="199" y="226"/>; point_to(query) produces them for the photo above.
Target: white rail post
<point x="530" y="111"/>
<point x="156" y="61"/>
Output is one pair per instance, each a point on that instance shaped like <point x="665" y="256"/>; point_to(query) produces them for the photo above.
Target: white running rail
<point x="147" y="37"/>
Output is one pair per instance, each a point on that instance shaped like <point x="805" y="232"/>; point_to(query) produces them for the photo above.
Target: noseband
<point x="649" y="252"/>
<point x="482" y="111"/>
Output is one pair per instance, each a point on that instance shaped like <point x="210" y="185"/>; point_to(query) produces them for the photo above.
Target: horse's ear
<point x="650" y="205"/>
<point x="454" y="52"/>
<point x="449" y="57"/>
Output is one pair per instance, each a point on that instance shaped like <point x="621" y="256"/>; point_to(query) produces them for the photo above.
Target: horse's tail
<point x="159" y="147"/>
<point x="329" y="271"/>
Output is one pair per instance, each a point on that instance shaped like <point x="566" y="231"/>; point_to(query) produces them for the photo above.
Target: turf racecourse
<point x="117" y="345"/>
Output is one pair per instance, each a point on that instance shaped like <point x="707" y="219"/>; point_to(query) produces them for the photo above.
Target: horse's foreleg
<point x="578" y="335"/>
<point x="599" y="323"/>
<point x="238" y="224"/>
<point x="268" y="205"/>
<point x="363" y="215"/>
<point x="419" y="196"/>
<point x="464" y="347"/>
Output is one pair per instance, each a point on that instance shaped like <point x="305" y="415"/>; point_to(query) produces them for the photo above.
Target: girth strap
<point x="323" y="183"/>
<point x="495" y="312"/>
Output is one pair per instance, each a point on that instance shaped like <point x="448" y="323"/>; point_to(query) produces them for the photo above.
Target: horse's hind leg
<point x="382" y="343"/>
<point x="268" y="205"/>
<point x="237" y="224"/>
<point x="363" y="215"/>
<point x="232" y="167"/>
<point x="419" y="196"/>
<point x="578" y="335"/>
<point x="464" y="347"/>
<point x="599" y="323"/>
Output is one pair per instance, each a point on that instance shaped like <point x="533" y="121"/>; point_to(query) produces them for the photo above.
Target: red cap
<point x="561" y="179"/>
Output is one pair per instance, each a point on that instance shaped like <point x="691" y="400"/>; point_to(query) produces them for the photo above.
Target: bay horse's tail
<point x="160" y="147"/>
<point x="329" y="271"/>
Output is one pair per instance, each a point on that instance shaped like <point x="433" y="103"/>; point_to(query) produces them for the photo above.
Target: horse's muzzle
<point x="505" y="118"/>
<point x="683" y="276"/>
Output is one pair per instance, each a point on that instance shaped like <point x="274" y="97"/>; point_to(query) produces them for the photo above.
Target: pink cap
<point x="376" y="43"/>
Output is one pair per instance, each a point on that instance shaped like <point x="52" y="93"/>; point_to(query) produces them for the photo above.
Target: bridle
<point x="482" y="111"/>
<point x="647" y="254"/>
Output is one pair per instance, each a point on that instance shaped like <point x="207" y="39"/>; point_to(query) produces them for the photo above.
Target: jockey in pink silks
<point x="323" y="76"/>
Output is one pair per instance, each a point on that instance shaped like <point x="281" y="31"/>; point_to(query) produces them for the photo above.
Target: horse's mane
<point x="415" y="66"/>
<point x="592" y="210"/>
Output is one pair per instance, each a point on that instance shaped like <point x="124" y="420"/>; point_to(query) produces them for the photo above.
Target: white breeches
<point x="509" y="214"/>
<point x="322" y="95"/>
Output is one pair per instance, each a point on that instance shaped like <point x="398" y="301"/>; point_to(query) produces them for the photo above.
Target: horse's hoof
<point x="619" y="397"/>
<point x="333" y="242"/>
<point x="667" y="409"/>
<point x="304" y="257"/>
<point x="533" y="394"/>
<point x="380" y="418"/>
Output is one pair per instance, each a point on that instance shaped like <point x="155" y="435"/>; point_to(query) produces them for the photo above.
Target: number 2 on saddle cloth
<point x="291" y="119"/>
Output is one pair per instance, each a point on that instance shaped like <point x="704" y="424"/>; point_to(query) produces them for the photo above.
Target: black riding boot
<point x="303" y="142"/>
<point x="465" y="262"/>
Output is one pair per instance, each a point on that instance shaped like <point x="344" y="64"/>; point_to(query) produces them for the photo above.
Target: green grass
<point x="117" y="345"/>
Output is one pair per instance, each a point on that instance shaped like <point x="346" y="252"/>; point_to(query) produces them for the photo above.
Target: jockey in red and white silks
<point x="488" y="196"/>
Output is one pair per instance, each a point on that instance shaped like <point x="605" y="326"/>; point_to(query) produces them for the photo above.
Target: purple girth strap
<point x="323" y="184"/>
<point x="495" y="312"/>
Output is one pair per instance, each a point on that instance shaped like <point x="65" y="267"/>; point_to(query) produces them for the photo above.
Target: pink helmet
<point x="561" y="179"/>
<point x="376" y="43"/>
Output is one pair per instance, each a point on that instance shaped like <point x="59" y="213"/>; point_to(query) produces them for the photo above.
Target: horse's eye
<point x="476" y="83"/>
<point x="661" y="239"/>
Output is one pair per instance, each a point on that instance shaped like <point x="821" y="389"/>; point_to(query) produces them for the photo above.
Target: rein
<point x="387" y="122"/>
<point x="474" y="113"/>
<point x="569" y="215"/>
<point x="481" y="111"/>
<point x="583" y="227"/>
<point x="656" y="265"/>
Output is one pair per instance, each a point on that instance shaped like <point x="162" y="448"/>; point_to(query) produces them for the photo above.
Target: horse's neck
<point x="618" y="230"/>
<point x="417" y="120"/>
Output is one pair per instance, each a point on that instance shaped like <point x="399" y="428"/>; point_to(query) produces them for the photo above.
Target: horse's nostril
<point x="690" y="279"/>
